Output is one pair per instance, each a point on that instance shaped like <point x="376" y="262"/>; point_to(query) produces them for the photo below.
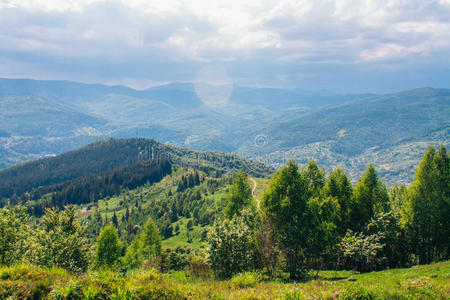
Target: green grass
<point x="419" y="282"/>
<point x="182" y="239"/>
<point x="148" y="196"/>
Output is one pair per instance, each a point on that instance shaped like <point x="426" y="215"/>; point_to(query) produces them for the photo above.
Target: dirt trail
<point x="253" y="193"/>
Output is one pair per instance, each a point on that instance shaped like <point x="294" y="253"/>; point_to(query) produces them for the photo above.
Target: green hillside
<point x="392" y="130"/>
<point x="113" y="153"/>
<point x="349" y="130"/>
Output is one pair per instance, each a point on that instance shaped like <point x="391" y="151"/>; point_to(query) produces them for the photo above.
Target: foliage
<point x="231" y="247"/>
<point x="308" y="222"/>
<point x="14" y="234"/>
<point x="395" y="252"/>
<point x="59" y="241"/>
<point x="93" y="187"/>
<point x="425" y="214"/>
<point x="268" y="247"/>
<point x="198" y="263"/>
<point x="239" y="196"/>
<point x="144" y="247"/>
<point x="245" y="280"/>
<point x="304" y="222"/>
<point x="371" y="197"/>
<point x="339" y="187"/>
<point x="31" y="282"/>
<point x="361" y="250"/>
<point x="53" y="174"/>
<point x="109" y="248"/>
<point x="285" y="203"/>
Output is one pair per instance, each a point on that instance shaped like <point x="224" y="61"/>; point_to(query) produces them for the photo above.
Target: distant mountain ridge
<point x="355" y="133"/>
<point x="45" y="118"/>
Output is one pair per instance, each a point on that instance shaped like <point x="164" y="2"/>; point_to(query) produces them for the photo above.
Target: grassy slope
<point x="419" y="282"/>
<point x="145" y="196"/>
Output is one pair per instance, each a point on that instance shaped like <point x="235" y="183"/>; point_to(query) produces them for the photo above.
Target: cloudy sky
<point x="341" y="45"/>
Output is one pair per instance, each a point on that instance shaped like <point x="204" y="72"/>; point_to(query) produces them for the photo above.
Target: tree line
<point x="307" y="221"/>
<point x="310" y="221"/>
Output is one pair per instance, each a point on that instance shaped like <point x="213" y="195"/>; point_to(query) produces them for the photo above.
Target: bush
<point x="232" y="247"/>
<point x="60" y="242"/>
<point x="70" y="290"/>
<point x="198" y="264"/>
<point x="14" y="234"/>
<point x="122" y="293"/>
<point x="245" y="280"/>
<point x="91" y="292"/>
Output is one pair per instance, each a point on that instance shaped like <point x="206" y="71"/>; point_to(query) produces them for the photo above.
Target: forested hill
<point x="110" y="154"/>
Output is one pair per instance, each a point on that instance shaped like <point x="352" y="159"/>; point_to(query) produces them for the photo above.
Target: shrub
<point x="70" y="290"/>
<point x="14" y="234"/>
<point x="245" y="280"/>
<point x="91" y="292"/>
<point x="122" y="293"/>
<point x="198" y="264"/>
<point x="60" y="242"/>
<point x="231" y="247"/>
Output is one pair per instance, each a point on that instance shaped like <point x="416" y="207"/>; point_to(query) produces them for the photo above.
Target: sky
<point x="342" y="45"/>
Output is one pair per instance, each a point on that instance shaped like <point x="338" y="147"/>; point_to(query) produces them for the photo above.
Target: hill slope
<point x="113" y="153"/>
<point x="376" y="129"/>
<point x="267" y="124"/>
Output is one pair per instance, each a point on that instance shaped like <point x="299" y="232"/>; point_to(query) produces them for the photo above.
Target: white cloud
<point x="276" y="34"/>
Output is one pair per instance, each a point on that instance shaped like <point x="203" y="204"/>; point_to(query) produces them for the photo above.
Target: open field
<point x="29" y="282"/>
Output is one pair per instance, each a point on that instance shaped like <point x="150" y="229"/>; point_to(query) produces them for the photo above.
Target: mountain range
<point x="45" y="118"/>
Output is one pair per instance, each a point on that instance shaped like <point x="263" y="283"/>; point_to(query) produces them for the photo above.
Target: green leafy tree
<point x="371" y="197"/>
<point x="59" y="241"/>
<point x="361" y="250"/>
<point x="240" y="195"/>
<point x="232" y="247"/>
<point x="442" y="162"/>
<point x="14" y="234"/>
<point x="395" y="252"/>
<point x="133" y="257"/>
<point x="381" y="244"/>
<point x="146" y="246"/>
<point x="285" y="204"/>
<point x="315" y="178"/>
<point x="150" y="240"/>
<point x="109" y="248"/>
<point x="425" y="214"/>
<point x="338" y="186"/>
<point x="322" y="235"/>
<point x="397" y="196"/>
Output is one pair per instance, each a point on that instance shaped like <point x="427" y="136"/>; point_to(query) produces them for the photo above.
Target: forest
<point x="308" y="227"/>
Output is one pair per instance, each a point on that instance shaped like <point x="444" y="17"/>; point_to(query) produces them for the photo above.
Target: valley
<point x="346" y="130"/>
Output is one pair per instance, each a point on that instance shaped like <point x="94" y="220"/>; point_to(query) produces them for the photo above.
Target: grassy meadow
<point x="29" y="282"/>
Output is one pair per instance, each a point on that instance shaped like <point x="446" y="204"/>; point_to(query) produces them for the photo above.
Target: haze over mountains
<point x="40" y="118"/>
